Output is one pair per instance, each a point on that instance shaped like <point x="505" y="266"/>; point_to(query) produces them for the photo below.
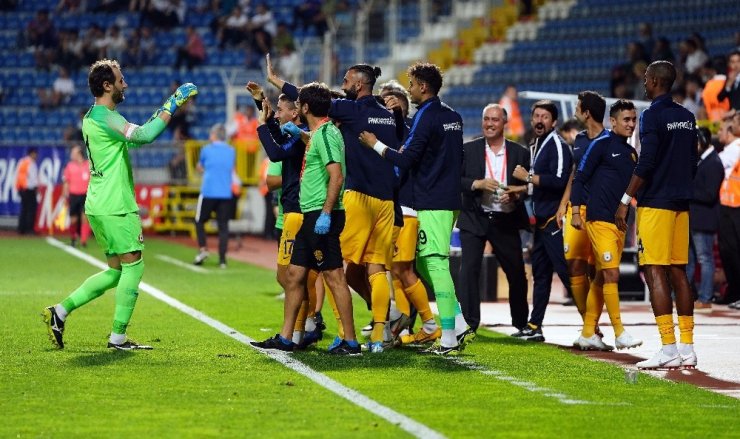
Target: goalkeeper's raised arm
<point x="108" y="86"/>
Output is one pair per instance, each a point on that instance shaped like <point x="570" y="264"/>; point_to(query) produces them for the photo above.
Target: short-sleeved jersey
<point x="218" y="160"/>
<point x="111" y="188"/>
<point x="77" y="176"/>
<point x="275" y="169"/>
<point x="326" y="147"/>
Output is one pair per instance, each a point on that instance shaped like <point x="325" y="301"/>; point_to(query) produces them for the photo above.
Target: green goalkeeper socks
<point x="126" y="295"/>
<point x="93" y="287"/>
<point x="438" y="268"/>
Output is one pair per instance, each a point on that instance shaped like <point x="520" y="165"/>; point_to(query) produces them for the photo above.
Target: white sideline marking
<point x="182" y="264"/>
<point x="404" y="422"/>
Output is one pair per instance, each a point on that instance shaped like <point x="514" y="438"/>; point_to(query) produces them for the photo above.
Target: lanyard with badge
<point x="499" y="190"/>
<point x="534" y="154"/>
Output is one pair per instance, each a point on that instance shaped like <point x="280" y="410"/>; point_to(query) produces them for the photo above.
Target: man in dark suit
<point x="493" y="211"/>
<point x="704" y="219"/>
<point x="731" y="90"/>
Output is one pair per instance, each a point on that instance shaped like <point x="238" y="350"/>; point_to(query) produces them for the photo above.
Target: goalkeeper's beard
<point x="118" y="97"/>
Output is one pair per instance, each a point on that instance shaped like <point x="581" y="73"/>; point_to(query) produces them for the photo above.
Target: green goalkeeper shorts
<point x="435" y="232"/>
<point x="117" y="234"/>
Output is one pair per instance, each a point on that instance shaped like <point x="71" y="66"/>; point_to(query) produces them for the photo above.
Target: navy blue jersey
<point x="606" y="167"/>
<point x="580" y="145"/>
<point x="290" y="151"/>
<point x="552" y="162"/>
<point x="367" y="173"/>
<point x="668" y="155"/>
<point x="433" y="154"/>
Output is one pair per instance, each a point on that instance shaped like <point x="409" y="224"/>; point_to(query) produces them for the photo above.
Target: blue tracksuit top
<point x="433" y="153"/>
<point x="668" y="155"/>
<point x="580" y="145"/>
<point x="552" y="161"/>
<point x="367" y="173"/>
<point x="289" y="150"/>
<point x="606" y="167"/>
<point x="218" y="160"/>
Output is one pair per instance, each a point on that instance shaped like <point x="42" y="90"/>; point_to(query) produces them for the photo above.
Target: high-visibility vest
<point x="729" y="192"/>
<point x="21" y="177"/>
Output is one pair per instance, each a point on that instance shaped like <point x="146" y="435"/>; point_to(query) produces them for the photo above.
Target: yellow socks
<point x="686" y="329"/>
<point x="579" y="288"/>
<point x="402" y="302"/>
<point x="417" y="295"/>
<point x="380" y="300"/>
<point x="665" y="327"/>
<point x="594" y="305"/>
<point x="611" y="299"/>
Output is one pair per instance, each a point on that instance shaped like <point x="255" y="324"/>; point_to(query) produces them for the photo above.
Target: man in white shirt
<point x="729" y="136"/>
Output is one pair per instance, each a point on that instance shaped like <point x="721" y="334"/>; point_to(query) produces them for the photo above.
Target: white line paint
<point x="404" y="422"/>
<point x="182" y="264"/>
<point x="526" y="385"/>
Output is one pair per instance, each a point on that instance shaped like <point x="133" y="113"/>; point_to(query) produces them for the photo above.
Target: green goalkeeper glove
<point x="179" y="97"/>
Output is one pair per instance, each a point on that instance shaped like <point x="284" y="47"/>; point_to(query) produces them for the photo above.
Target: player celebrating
<point x="606" y="168"/>
<point x="111" y="206"/>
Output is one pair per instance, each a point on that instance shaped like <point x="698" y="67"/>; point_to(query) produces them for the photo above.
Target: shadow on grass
<point x="100" y="358"/>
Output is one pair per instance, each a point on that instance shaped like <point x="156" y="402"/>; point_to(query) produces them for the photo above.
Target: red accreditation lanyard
<point x="503" y="167"/>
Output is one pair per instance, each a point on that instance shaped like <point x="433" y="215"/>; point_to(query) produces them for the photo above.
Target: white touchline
<point x="182" y="264"/>
<point x="404" y="422"/>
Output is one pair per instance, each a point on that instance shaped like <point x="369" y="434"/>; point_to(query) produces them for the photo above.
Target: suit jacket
<point x="704" y="206"/>
<point x="472" y="218"/>
<point x="733" y="95"/>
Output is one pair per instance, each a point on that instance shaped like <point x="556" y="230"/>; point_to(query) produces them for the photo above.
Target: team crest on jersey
<point x="640" y="248"/>
<point x="141" y="238"/>
<point x="607" y="256"/>
<point x="319" y="256"/>
<point x="566" y="247"/>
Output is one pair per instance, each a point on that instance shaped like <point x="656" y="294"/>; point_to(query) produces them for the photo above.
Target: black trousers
<point x="507" y="244"/>
<point x="729" y="249"/>
<point x="547" y="257"/>
<point x="27" y="216"/>
<point x="223" y="208"/>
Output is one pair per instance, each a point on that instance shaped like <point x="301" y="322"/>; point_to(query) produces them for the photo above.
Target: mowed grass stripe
<point x="411" y="426"/>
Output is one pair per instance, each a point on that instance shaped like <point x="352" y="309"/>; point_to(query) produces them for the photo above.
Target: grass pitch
<point x="200" y="383"/>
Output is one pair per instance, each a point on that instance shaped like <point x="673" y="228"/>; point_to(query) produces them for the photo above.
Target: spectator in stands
<point x="177" y="166"/>
<point x="70" y="53"/>
<point x="182" y="121"/>
<point x="731" y="89"/>
<point x="308" y="14"/>
<point x="714" y="71"/>
<point x="233" y="30"/>
<point x="161" y="13"/>
<point x="704" y="219"/>
<point x="510" y="101"/>
<point x="263" y="28"/>
<point x="645" y="36"/>
<point x="73" y="132"/>
<point x="70" y="6"/>
<point x="290" y="65"/>
<point x="662" y="50"/>
<point x="60" y="93"/>
<point x="26" y="182"/>
<point x="147" y="47"/>
<point x="42" y="37"/>
<point x="283" y="38"/>
<point x="115" y="43"/>
<point x="693" y="57"/>
<point x="109" y="6"/>
<point x="193" y="53"/>
<point x="217" y="161"/>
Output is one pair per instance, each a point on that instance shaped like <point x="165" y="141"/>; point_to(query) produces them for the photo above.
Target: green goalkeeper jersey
<point x="108" y="136"/>
<point x="326" y="146"/>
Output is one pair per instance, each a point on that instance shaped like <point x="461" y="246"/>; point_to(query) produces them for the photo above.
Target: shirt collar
<point x="707" y="152"/>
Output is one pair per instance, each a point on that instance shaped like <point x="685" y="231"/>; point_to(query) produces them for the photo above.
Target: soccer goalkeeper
<point x="110" y="206"/>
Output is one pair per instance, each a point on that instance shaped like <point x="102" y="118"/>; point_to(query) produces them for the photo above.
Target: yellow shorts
<point x="662" y="236"/>
<point x="291" y="225"/>
<point x="367" y="237"/>
<point x="405" y="248"/>
<point x="576" y="243"/>
<point x="607" y="241"/>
